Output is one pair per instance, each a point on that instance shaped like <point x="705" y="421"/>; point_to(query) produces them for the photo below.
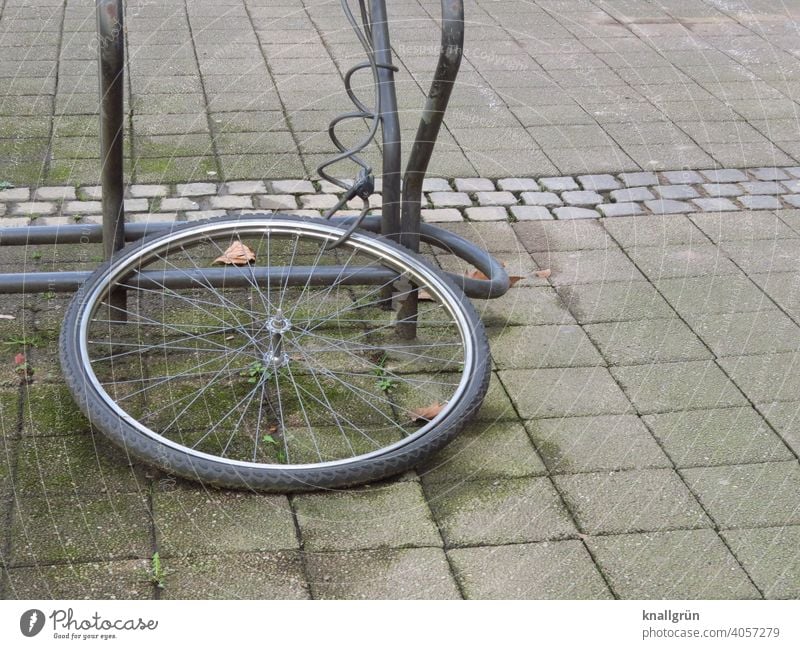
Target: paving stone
<point x="770" y="256"/>
<point x="496" y="405"/>
<point x="717" y="437"/>
<point x="599" y="182"/>
<point x="545" y="345"/>
<point x="761" y="188"/>
<point x="15" y="194"/>
<point x="670" y="387"/>
<point x="558" y="183"/>
<point x="51" y="410"/>
<point x="620" y="209"/>
<point x="54" y="194"/>
<point x="681" y="564"/>
<point x="497" y="236"/>
<point x="136" y="205"/>
<point x="541" y="198"/>
<point x="414" y="573"/>
<point x="82" y="207"/>
<point x="713" y="294"/>
<point x="101" y="580"/>
<point x="581" y="198"/>
<point x="747" y="226"/>
<point x="14" y="221"/>
<point x="722" y="189"/>
<point x="690" y="260"/>
<point x="29" y="209"/>
<point x="735" y="334"/>
<point x="714" y="204"/>
<point x="53" y="220"/>
<point x="653" y="230"/>
<point x="639" y="178"/>
<point x="724" y="175"/>
<point x="770" y="377"/>
<point x="84" y="528"/>
<point x="784" y="417"/>
<point x="791" y="185"/>
<point x="630" y="501"/>
<point x="315" y="201"/>
<point x="568" y="213"/>
<point x="196" y="189"/>
<point x="436" y="185"/>
<point x="193" y="522"/>
<point x="484" y="451"/>
<point x="248" y="575"/>
<point x="792" y="199"/>
<point x="614" y="301"/>
<point x="387" y="516"/>
<point x="663" y="206"/>
<point x="202" y="215"/>
<point x="444" y="215"/>
<point x="769" y="173"/>
<point x="474" y="185"/>
<point x="248" y="187"/>
<point x="518" y="184"/>
<point x="770" y="556"/>
<point x="793" y="171"/>
<point x="564" y="392"/>
<point x="600" y="443"/>
<point x="501" y="511"/>
<point x="524" y="306"/>
<point x="530" y="213"/>
<point x="646" y="342"/>
<point x="159" y="217"/>
<point x="156" y="191"/>
<point x="550" y="570"/>
<point x="450" y="199"/>
<point x="230" y="202"/>
<point x="487" y="214"/>
<point x="676" y="192"/>
<point x="177" y="205"/>
<point x="588" y="267"/>
<point x="748" y="495"/>
<point x="291" y="187"/>
<point x="683" y="177"/>
<point x="760" y="202"/>
<point x="277" y="202"/>
<point x="632" y="194"/>
<point x="558" y="236"/>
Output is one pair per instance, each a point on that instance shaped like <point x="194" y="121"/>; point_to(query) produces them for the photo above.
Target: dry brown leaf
<point x="513" y="279"/>
<point x="237" y="254"/>
<point x="544" y="274"/>
<point x="19" y="359"/>
<point x="421" y="415"/>
<point x="424" y="296"/>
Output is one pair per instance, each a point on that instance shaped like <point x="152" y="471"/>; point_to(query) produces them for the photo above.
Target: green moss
<point x="51" y="410"/>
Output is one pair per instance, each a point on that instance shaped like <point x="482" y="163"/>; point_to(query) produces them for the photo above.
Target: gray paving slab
<point x="546" y="345"/>
<point x="413" y="573"/>
<point x="681" y="564"/>
<point x="552" y="570"/>
<point x="770" y="556"/>
<point x="599" y="443"/>
<point x="521" y="510"/>
<point x="614" y="302"/>
<point x="754" y="332"/>
<point x="713" y="294"/>
<point x="748" y="495"/>
<point x="670" y="387"/>
<point x="630" y="501"/>
<point x="722" y="436"/>
<point x="125" y="579"/>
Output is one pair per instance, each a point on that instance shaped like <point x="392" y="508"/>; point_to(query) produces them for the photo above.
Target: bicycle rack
<point x="400" y="218"/>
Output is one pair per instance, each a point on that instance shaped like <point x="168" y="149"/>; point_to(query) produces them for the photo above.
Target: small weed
<point x="23" y="341"/>
<point x="36" y="255"/>
<point x="280" y="453"/>
<point x="255" y="372"/>
<point x="49" y="295"/>
<point x="157" y="572"/>
<point x="4" y="184"/>
<point x="385" y="384"/>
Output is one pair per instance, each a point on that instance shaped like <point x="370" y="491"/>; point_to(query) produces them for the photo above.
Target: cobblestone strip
<point x="446" y="200"/>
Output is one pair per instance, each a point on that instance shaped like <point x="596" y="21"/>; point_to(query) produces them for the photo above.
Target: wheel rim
<point x="271" y="375"/>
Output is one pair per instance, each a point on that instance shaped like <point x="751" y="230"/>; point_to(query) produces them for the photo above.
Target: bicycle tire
<point x="119" y="395"/>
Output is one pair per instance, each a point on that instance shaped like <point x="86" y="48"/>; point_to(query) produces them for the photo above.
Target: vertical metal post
<point x="450" y="55"/>
<point x="111" y="51"/>
<point x="390" y="122"/>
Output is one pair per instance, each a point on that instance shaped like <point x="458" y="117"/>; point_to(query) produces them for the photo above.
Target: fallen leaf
<point x="19" y="359"/>
<point x="421" y="415"/>
<point x="7" y="317"/>
<point x="424" y="296"/>
<point x="513" y="279"/>
<point x="477" y="274"/>
<point x="237" y="254"/>
<point x="544" y="274"/>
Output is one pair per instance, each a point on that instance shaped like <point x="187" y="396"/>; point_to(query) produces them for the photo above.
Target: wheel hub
<point x="277" y="326"/>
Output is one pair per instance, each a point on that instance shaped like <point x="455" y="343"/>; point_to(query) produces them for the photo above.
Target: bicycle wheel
<point x="282" y="371"/>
